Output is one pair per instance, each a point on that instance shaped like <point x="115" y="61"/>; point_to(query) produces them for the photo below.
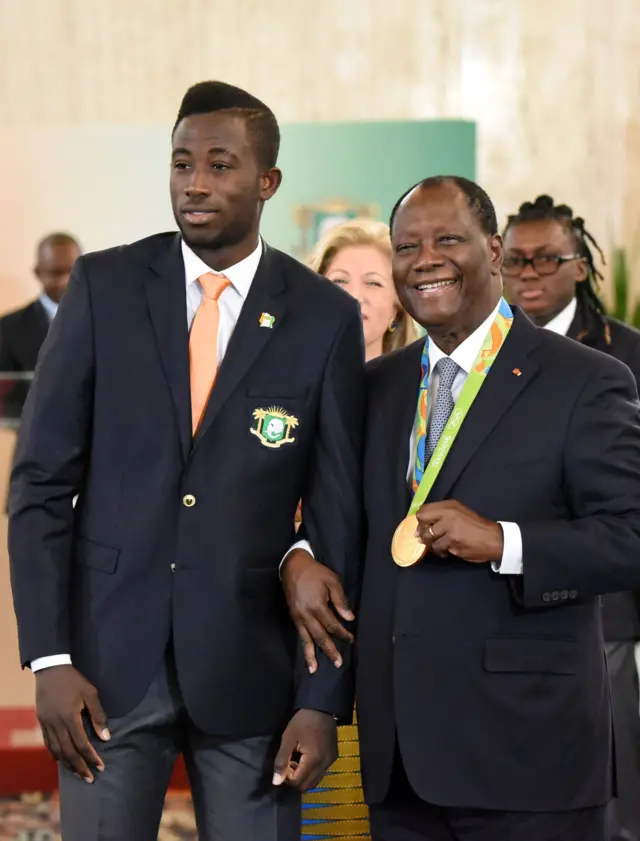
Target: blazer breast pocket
<point x="276" y="418"/>
<point x="531" y="655"/>
<point x="277" y="391"/>
<point x="96" y="555"/>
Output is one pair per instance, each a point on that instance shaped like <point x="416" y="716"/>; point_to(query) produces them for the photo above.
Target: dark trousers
<point x="623" y="676"/>
<point x="233" y="796"/>
<point x="403" y="816"/>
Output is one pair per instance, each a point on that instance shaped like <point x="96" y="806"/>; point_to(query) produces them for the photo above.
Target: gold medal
<point x="406" y="548"/>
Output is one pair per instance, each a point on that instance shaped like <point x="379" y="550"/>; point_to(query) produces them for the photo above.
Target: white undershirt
<point x="564" y="319"/>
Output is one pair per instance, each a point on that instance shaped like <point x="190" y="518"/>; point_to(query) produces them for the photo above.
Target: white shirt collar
<point x="49" y="306"/>
<point x="563" y="320"/>
<point x="241" y="275"/>
<point x="466" y="352"/>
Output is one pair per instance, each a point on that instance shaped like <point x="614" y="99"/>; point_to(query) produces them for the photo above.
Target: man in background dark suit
<point x="22" y="332"/>
<point x="191" y="390"/>
<point x="551" y="274"/>
<point x="482" y="690"/>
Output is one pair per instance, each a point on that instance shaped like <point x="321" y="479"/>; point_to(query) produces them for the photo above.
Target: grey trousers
<point x="233" y="797"/>
<point x="624" y="810"/>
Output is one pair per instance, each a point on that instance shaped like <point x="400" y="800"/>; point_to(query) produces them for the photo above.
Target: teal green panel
<point x="350" y="168"/>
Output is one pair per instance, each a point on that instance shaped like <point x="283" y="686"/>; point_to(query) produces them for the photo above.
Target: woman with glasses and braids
<point x="550" y="272"/>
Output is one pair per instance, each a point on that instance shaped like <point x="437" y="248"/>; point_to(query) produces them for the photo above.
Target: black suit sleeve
<point x="48" y="471"/>
<point x="598" y="549"/>
<point x="7" y="359"/>
<point x="632" y="360"/>
<point x="332" y="504"/>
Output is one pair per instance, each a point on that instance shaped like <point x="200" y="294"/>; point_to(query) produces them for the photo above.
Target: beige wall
<point x="554" y="86"/>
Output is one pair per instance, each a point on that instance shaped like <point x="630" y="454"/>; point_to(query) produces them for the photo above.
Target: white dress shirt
<point x="230" y="302"/>
<point x="563" y="320"/>
<point x="49" y="306"/>
<point x="464" y="356"/>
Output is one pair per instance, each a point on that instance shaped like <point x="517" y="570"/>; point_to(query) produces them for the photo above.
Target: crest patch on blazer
<point x="273" y="427"/>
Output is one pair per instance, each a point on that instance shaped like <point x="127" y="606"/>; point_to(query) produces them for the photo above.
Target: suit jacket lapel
<point x="249" y="338"/>
<point x="584" y="329"/>
<point x="399" y="412"/>
<point x="167" y="301"/>
<point x="38" y="334"/>
<point x="577" y="326"/>
<point x="510" y="374"/>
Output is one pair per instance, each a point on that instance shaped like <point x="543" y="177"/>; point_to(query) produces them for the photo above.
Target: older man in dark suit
<point x="502" y="493"/>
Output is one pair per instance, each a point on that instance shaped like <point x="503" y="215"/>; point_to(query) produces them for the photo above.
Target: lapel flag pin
<point x="517" y="372"/>
<point x="267" y="320"/>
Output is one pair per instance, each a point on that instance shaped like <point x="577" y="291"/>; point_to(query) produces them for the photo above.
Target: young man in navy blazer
<point x="152" y="612"/>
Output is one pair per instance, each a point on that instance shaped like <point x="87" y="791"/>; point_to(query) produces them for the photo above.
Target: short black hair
<point x="207" y="97"/>
<point x="478" y="200"/>
<point x="545" y="208"/>
<point x="54" y="239"/>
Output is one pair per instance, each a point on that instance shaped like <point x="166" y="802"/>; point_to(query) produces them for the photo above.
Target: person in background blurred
<point x="356" y="255"/>
<point x="550" y="272"/>
<point x="22" y="332"/>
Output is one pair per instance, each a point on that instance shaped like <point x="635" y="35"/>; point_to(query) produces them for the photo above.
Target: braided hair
<point x="587" y="291"/>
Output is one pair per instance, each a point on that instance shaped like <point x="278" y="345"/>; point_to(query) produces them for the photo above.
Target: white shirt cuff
<point x="47" y="662"/>
<point x="301" y="544"/>
<point x="511" y="563"/>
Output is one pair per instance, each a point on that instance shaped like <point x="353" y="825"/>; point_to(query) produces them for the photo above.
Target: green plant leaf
<point x="620" y="274"/>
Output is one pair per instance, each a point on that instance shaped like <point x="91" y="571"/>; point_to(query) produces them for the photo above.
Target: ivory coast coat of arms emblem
<point x="273" y="426"/>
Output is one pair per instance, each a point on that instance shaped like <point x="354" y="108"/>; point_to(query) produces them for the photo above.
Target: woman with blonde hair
<point x="357" y="256"/>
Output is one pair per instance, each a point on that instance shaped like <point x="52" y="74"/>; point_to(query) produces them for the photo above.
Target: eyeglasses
<point x="542" y="264"/>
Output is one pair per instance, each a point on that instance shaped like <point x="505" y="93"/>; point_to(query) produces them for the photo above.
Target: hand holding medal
<point x="450" y="528"/>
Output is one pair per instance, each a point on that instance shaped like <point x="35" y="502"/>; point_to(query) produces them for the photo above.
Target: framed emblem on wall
<point x="314" y="220"/>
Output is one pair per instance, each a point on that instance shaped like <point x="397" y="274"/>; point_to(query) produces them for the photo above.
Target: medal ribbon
<point x="424" y="479"/>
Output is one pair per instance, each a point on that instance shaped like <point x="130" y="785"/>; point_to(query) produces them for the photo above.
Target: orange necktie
<point x="203" y="345"/>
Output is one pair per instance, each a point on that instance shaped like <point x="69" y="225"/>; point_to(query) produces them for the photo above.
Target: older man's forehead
<point x="439" y="203"/>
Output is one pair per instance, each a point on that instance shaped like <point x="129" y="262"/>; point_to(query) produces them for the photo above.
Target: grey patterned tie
<point x="447" y="371"/>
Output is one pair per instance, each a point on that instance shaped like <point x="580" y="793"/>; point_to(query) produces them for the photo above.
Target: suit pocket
<point x="96" y="555"/>
<point x="546" y="656"/>
<point x="276" y="391"/>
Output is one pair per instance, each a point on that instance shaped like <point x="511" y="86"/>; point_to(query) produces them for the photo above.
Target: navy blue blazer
<point x="495" y="686"/>
<point x="175" y="538"/>
<point x="620" y="611"/>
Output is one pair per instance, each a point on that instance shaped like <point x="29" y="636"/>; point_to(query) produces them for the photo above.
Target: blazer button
<point x="188" y="500"/>
<point x="564" y="595"/>
<point x="173" y="567"/>
<point x="555" y="595"/>
<point x="546" y="597"/>
<point x="573" y="594"/>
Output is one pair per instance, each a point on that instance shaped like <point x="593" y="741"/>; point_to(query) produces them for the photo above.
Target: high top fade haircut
<point x="545" y="208"/>
<point x="262" y="126"/>
<point x="478" y="201"/>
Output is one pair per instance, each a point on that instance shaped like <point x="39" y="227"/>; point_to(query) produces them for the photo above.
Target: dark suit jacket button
<point x="555" y="595"/>
<point x="573" y="594"/>
<point x="546" y="597"/>
<point x="564" y="595"/>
